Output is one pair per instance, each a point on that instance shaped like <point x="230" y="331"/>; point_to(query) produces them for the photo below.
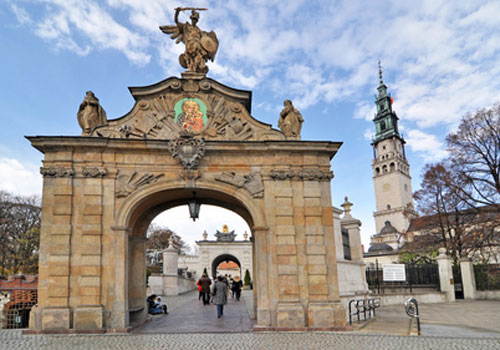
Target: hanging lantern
<point x="194" y="207"/>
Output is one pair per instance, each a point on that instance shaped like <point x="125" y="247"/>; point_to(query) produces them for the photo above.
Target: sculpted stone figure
<point x="90" y="114"/>
<point x="290" y="121"/>
<point x="200" y="46"/>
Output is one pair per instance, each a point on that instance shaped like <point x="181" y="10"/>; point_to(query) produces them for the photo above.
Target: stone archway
<point x="101" y="190"/>
<point x="221" y="258"/>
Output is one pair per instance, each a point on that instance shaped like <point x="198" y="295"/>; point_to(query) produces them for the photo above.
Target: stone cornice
<point x="51" y="143"/>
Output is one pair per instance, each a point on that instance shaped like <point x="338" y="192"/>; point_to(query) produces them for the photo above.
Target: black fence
<point x="487" y="277"/>
<point x="417" y="276"/>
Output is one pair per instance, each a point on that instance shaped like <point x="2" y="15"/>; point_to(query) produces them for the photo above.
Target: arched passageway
<point x="224" y="258"/>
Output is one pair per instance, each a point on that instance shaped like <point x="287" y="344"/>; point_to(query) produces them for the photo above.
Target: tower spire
<point x="380" y="72"/>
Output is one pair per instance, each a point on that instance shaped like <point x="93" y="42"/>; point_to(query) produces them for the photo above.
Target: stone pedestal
<point x="56" y="318"/>
<point x="326" y="316"/>
<point x="468" y="278"/>
<point x="290" y="315"/>
<point x="446" y="275"/>
<point x="88" y="317"/>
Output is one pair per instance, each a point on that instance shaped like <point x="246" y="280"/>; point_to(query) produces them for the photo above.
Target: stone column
<point x="170" y="267"/>
<point x="446" y="275"/>
<point x="468" y="279"/>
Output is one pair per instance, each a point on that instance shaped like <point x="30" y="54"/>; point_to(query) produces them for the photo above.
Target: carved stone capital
<point x="282" y="174"/>
<point x="306" y="175"/>
<point x="94" y="171"/>
<point x="57" y="172"/>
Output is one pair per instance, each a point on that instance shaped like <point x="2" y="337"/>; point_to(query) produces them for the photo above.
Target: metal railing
<point x="418" y="276"/>
<point x="358" y="307"/>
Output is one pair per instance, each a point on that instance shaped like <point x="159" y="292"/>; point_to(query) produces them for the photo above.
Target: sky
<point x="440" y="58"/>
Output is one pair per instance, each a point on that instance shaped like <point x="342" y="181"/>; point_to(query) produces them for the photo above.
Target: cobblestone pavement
<point x="12" y="339"/>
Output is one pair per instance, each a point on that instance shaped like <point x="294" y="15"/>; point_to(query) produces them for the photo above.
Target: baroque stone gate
<point x="186" y="139"/>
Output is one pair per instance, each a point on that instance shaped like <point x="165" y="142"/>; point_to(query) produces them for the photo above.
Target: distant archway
<point x="221" y="258"/>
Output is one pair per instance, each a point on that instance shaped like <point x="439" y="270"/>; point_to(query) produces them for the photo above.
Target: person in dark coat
<point x="220" y="295"/>
<point x="237" y="285"/>
<point x="205" y="289"/>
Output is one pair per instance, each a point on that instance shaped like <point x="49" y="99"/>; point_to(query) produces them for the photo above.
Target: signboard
<point x="394" y="272"/>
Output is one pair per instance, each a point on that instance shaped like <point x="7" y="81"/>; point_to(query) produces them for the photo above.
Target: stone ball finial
<point x="442" y="251"/>
<point x="245" y="236"/>
<point x="347" y="207"/>
<point x="205" y="235"/>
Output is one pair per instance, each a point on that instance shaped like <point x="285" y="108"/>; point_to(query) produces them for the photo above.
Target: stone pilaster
<point x="55" y="252"/>
<point x="468" y="278"/>
<point x="446" y="275"/>
<point x="261" y="285"/>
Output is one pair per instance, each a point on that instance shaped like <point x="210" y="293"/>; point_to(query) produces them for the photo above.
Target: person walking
<point x="205" y="289"/>
<point x="237" y="285"/>
<point x="220" y="295"/>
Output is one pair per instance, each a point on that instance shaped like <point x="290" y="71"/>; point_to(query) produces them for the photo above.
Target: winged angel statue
<point x="200" y="46"/>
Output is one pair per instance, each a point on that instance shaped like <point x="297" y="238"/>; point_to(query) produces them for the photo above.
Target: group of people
<point x="219" y="292"/>
<point x="217" y="295"/>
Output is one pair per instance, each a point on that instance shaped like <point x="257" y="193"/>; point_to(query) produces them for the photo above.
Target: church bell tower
<point x="391" y="171"/>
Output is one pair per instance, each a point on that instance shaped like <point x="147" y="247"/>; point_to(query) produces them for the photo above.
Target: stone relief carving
<point x="200" y="45"/>
<point x="308" y="175"/>
<point x="189" y="150"/>
<point x="126" y="183"/>
<point x="94" y="171"/>
<point x="160" y="114"/>
<point x="90" y="113"/>
<point x="57" y="172"/>
<point x="290" y="121"/>
<point x="251" y="182"/>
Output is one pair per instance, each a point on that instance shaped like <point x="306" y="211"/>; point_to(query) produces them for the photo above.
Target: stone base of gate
<point x="88" y="317"/>
<point x="290" y="315"/>
<point x="326" y="315"/>
<point x="55" y="318"/>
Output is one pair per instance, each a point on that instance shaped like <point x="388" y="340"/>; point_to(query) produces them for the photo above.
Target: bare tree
<point x="449" y="221"/>
<point x="20" y="218"/>
<point x="475" y="157"/>
<point x="158" y="237"/>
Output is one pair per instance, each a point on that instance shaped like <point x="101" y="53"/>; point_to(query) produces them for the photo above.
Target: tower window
<point x="377" y="170"/>
<point x="388" y="206"/>
<point x="392" y="166"/>
<point x="384" y="168"/>
<point x="382" y="126"/>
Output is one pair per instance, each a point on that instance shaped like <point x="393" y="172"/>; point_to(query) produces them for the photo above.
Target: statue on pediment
<point x="90" y="113"/>
<point x="290" y="121"/>
<point x="200" y="46"/>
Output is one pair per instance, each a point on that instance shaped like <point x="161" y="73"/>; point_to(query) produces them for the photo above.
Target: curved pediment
<point x="193" y="105"/>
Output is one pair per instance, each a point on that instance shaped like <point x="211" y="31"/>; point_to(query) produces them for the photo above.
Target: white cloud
<point x="18" y="178"/>
<point x="441" y="56"/>
<point x="427" y="145"/>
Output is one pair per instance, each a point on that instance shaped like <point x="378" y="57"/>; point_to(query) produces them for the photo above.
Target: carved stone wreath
<point x="188" y="150"/>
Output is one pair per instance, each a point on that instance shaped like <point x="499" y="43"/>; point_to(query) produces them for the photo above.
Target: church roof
<point x="388" y="228"/>
<point x="380" y="247"/>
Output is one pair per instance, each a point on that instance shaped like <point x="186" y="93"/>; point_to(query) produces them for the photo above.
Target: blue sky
<point x="440" y="58"/>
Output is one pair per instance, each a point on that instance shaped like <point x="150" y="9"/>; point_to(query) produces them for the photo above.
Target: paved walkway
<point x="461" y="325"/>
<point x="188" y="315"/>
<point x="480" y="318"/>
